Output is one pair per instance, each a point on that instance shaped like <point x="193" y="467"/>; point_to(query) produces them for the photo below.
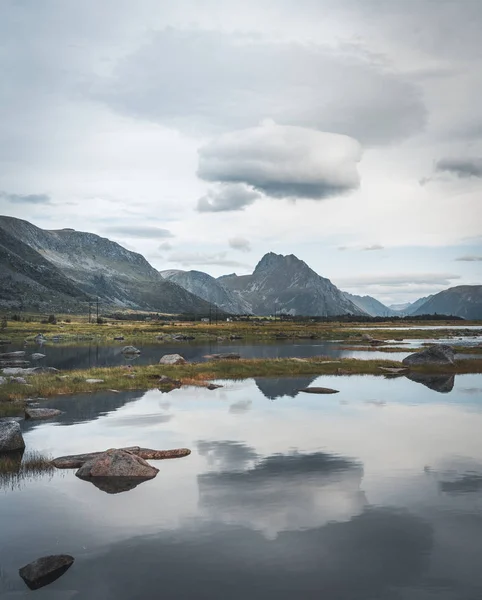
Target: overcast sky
<point x="205" y="133"/>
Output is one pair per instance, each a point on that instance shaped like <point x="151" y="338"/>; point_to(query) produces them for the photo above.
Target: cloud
<point x="220" y="81"/>
<point x="139" y="231"/>
<point x="398" y="280"/>
<point x="227" y="198"/>
<point x="240" y="243"/>
<point x="469" y="258"/>
<point x="462" y="167"/>
<point x="283" y="161"/>
<point x="165" y="246"/>
<point x="25" y="199"/>
<point x="187" y="259"/>
<point x="373" y="247"/>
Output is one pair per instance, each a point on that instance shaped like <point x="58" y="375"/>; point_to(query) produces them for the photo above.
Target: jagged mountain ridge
<point x="208" y="288"/>
<point x="94" y="266"/>
<point x="286" y="284"/>
<point x="461" y="301"/>
<point x="371" y="305"/>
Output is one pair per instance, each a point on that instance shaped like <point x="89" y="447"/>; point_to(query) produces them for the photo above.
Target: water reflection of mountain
<point x="439" y="383"/>
<point x="85" y="407"/>
<point x="378" y="554"/>
<point x="283" y="491"/>
<point x="273" y="388"/>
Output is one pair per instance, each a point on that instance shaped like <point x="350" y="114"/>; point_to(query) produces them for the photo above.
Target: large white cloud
<point x="211" y="81"/>
<point x="283" y="161"/>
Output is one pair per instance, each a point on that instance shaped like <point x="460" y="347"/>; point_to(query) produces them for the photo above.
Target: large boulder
<point x="172" y="359"/>
<point x="41" y="413"/>
<point x="441" y="354"/>
<point x="117" y="463"/>
<point x="45" y="570"/>
<point x="11" y="439"/>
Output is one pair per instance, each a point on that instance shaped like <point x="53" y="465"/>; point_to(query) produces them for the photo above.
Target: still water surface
<point x="374" y="493"/>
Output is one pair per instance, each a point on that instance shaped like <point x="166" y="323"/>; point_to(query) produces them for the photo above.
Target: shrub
<point x="52" y="320"/>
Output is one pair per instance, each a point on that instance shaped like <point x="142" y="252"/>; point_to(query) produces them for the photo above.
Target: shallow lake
<point x="374" y="493"/>
<point x="86" y="356"/>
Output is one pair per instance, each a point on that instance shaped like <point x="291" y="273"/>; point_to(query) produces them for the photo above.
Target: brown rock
<point x="319" y="390"/>
<point x="76" y="461"/>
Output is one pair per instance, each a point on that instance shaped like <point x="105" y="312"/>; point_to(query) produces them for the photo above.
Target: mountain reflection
<point x="281" y="492"/>
<point x="274" y="388"/>
<point x="372" y="555"/>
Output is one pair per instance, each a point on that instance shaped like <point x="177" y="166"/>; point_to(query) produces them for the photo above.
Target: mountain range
<point x="62" y="270"/>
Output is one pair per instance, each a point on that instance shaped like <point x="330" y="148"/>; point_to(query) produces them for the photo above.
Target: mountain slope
<point x="97" y="266"/>
<point x="27" y="279"/>
<point x="461" y="301"/>
<point x="409" y="308"/>
<point x="371" y="305"/>
<point x="286" y="284"/>
<point x="208" y="288"/>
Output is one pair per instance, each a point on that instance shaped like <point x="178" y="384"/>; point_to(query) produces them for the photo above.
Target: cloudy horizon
<point x="205" y="134"/>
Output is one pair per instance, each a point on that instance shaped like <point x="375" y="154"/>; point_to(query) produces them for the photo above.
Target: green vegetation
<point x="72" y="329"/>
<point x="17" y="467"/>
<point x="146" y="377"/>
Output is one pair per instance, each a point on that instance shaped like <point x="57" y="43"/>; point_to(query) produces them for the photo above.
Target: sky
<point x="205" y="133"/>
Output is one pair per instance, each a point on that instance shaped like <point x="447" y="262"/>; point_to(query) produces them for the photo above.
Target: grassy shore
<point x="147" y="377"/>
<point x="80" y="331"/>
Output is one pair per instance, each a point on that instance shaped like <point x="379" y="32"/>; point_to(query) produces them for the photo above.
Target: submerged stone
<point x="41" y="413"/>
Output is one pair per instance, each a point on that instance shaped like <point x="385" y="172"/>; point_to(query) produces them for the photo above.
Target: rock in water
<point x="226" y="356"/>
<point x="130" y="350"/>
<point x="41" y="413"/>
<point x="172" y="359"/>
<point x="319" y="390"/>
<point x="45" y="570"/>
<point x="75" y="461"/>
<point x="116" y="471"/>
<point x="37" y="356"/>
<point x="11" y="439"/>
<point x="441" y="354"/>
<point x="16" y="354"/>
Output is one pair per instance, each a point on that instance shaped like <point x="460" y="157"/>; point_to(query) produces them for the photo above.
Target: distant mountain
<point x="461" y="301"/>
<point x="60" y="269"/>
<point x="285" y="284"/>
<point x="208" y="288"/>
<point x="371" y="305"/>
<point x="409" y="308"/>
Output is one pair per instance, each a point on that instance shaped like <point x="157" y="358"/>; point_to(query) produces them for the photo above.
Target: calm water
<point x="374" y="493"/>
<point x="86" y="356"/>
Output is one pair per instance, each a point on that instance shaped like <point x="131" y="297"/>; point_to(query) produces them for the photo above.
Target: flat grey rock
<point x="319" y="390"/>
<point x="41" y="413"/>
